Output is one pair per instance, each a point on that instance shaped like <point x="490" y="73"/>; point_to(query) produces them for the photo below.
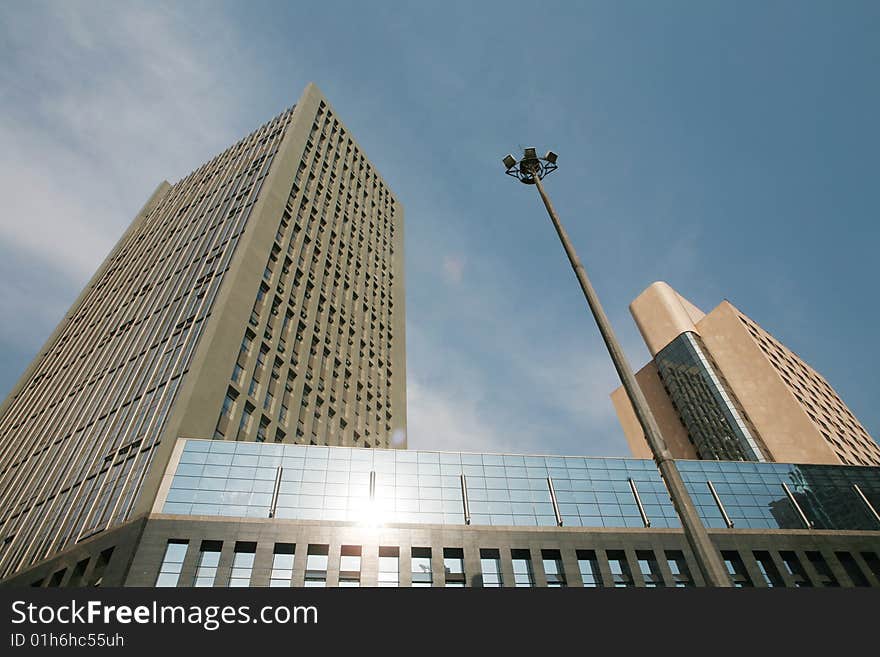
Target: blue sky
<point x="727" y="148"/>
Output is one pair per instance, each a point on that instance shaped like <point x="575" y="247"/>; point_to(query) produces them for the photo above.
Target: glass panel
<point x="422" y="574"/>
<point x="172" y="562"/>
<point x="522" y="568"/>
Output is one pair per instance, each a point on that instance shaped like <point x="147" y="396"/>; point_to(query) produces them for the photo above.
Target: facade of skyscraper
<point x="260" y="298"/>
<point x="721" y="387"/>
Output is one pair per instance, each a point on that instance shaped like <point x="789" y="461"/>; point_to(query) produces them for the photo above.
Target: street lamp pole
<point x="531" y="170"/>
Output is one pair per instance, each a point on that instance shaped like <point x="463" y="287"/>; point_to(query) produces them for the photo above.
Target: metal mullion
<point x="554" y="501"/>
<point x="635" y="492"/>
<point x="718" y="503"/>
<point x="797" y="507"/>
<point x="866" y="502"/>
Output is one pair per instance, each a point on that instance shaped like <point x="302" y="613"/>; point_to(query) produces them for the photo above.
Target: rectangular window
<point x="208" y="561"/>
<point x="649" y="568"/>
<point x="242" y="564"/>
<point x="588" y="565"/>
<point x="228" y="402"/>
<point x="389" y="567"/>
<point x="350" y="566"/>
<point x="736" y="569"/>
<point x="422" y="574"/>
<point x="282" y="565"/>
<point x="316" y="566"/>
<point x="768" y="569"/>
<point x="261" y="430"/>
<point x="795" y="569"/>
<point x="522" y="568"/>
<point x="172" y="562"/>
<point x="681" y="574"/>
<point x="490" y="568"/>
<point x="453" y="567"/>
<point x="553" y="569"/>
<point x="826" y="577"/>
<point x="856" y="576"/>
<point x="620" y="571"/>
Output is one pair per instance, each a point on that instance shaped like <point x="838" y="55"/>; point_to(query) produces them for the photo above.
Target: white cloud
<point x="453" y="268"/>
<point x="107" y="101"/>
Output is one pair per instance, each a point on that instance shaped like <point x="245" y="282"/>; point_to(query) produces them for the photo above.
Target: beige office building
<point x="260" y="298"/>
<point x="723" y="388"/>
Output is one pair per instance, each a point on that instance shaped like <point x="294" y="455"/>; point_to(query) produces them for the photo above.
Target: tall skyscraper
<point x="723" y="388"/>
<point x="260" y="298"/>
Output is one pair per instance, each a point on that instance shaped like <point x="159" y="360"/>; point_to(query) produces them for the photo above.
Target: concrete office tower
<point x="260" y="298"/>
<point x="723" y="388"/>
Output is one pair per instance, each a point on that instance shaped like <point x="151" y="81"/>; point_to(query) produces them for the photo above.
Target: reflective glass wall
<point x="239" y="479"/>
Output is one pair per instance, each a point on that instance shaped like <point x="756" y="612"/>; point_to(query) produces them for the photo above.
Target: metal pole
<point x="706" y="555"/>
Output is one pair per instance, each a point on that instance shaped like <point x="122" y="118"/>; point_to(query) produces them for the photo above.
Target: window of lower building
<point x="79" y="571"/>
<point x="620" y="571"/>
<point x="282" y="565"/>
<point x="350" y="566"/>
<point x="242" y="564"/>
<point x="872" y="561"/>
<point x="57" y="577"/>
<point x="795" y="569"/>
<point x="209" y="559"/>
<point x="421" y="567"/>
<point x="739" y="577"/>
<point x="553" y="569"/>
<point x="453" y="567"/>
<point x="649" y="568"/>
<point x="588" y="565"/>
<point x="855" y="574"/>
<point x="97" y="576"/>
<point x="490" y="568"/>
<point x="826" y="577"/>
<point x="768" y="569"/>
<point x="172" y="562"/>
<point x="389" y="566"/>
<point x="522" y="568"/>
<point x="316" y="566"/>
<point x="678" y="566"/>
